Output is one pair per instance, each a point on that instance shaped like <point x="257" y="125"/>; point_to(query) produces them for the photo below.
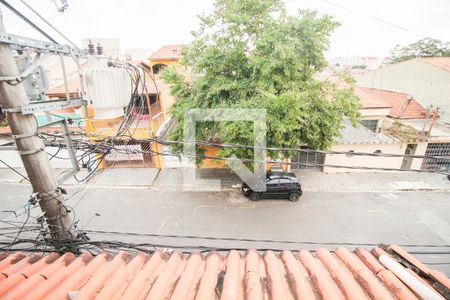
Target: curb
<point x="237" y="187"/>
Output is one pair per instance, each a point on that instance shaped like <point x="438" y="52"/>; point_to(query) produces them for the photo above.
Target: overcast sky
<point x="152" y="23"/>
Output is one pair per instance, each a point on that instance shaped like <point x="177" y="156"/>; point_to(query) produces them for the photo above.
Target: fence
<point x="437" y="149"/>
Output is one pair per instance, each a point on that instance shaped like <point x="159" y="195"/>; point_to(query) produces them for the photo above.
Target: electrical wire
<point x="48" y="23"/>
<point x="212" y="238"/>
<point x="110" y="147"/>
<point x="20" y="15"/>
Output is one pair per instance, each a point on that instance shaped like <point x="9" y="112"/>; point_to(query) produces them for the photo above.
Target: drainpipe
<point x="412" y="282"/>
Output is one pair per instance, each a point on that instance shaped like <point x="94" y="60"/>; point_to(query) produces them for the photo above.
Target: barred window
<point x="437" y="149"/>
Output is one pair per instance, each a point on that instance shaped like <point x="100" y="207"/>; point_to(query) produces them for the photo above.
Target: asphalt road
<point x="318" y="219"/>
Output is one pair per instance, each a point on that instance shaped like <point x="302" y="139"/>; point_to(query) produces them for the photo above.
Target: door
<point x="272" y="188"/>
<point x="407" y="161"/>
<point x="285" y="187"/>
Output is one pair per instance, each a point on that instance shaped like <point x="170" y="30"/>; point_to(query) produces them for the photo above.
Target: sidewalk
<point x="372" y="181"/>
<point x="108" y="177"/>
<point x="172" y="178"/>
<point x="313" y="180"/>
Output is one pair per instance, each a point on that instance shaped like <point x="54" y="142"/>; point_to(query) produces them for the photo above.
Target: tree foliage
<point x="426" y="47"/>
<point x="252" y="54"/>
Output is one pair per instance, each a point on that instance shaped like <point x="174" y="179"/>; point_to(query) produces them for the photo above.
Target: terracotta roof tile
<point x="440" y="62"/>
<point x="341" y="274"/>
<point x="370" y="101"/>
<point x="402" y="105"/>
<point x="168" y="52"/>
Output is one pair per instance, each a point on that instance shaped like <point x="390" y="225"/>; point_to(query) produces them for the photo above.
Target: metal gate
<point x="437" y="149"/>
<point x="130" y="155"/>
<point x="307" y="160"/>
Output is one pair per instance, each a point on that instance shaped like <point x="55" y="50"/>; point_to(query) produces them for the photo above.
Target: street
<point x="318" y="219"/>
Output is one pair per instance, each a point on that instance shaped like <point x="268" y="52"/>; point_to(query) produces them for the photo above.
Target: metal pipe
<point x="66" y="84"/>
<point x="412" y="282"/>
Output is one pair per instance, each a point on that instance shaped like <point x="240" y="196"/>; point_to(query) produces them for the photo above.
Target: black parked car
<point x="278" y="185"/>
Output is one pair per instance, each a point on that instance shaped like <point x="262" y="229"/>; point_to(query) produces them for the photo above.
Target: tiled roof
<point x="370" y="101"/>
<point x="361" y="135"/>
<point x="342" y="274"/>
<point x="168" y="52"/>
<point x="403" y="106"/>
<point x="441" y="62"/>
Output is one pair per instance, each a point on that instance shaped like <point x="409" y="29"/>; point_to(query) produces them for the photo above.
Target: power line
<point x="14" y="170"/>
<point x="373" y="17"/>
<point x="48" y="23"/>
<point x="28" y="21"/>
<point x="137" y="234"/>
<point x="109" y="147"/>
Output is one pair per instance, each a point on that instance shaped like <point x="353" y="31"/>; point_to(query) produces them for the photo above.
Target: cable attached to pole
<point x="28" y="21"/>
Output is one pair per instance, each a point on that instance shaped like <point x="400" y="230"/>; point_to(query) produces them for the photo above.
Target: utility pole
<point x="31" y="148"/>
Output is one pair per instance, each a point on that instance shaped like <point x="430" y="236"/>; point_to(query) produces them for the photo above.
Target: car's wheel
<point x="294" y="197"/>
<point x="254" y="197"/>
<point x="245" y="191"/>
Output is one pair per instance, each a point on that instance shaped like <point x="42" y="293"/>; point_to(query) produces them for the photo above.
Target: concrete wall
<point x="427" y="83"/>
<point x="420" y="150"/>
<point x="364" y="161"/>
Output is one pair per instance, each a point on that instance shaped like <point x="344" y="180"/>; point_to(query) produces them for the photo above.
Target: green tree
<point x="252" y="54"/>
<point x="426" y="47"/>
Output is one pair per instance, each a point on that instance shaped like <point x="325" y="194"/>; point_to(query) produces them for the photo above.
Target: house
<point x="381" y="131"/>
<point x="427" y="79"/>
<point x="389" y="273"/>
<point x="165" y="56"/>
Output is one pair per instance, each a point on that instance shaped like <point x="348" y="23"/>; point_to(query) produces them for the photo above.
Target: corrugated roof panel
<point x="361" y="135"/>
<point x="323" y="274"/>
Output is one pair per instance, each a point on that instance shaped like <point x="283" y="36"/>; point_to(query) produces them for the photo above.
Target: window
<point x="370" y="124"/>
<point x="158" y="68"/>
<point x="272" y="182"/>
<point x="285" y="181"/>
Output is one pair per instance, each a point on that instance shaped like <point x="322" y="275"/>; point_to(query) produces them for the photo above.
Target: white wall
<point x="364" y="161"/>
<point x="429" y="84"/>
<point x="420" y="150"/>
<point x="372" y="113"/>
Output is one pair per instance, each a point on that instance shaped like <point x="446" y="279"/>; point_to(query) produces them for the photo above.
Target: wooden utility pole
<point x="31" y="148"/>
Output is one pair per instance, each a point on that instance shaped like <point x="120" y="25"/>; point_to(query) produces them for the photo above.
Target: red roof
<point x="441" y="62"/>
<point x="168" y="52"/>
<point x="402" y="105"/>
<point x="304" y="275"/>
<point x="370" y="101"/>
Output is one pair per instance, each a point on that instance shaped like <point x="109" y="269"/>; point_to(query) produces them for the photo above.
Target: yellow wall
<point x="212" y="163"/>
